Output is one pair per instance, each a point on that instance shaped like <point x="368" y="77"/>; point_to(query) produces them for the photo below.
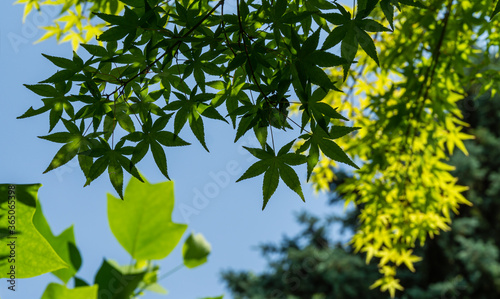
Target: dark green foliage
<point x="275" y="166"/>
<point x="189" y="58"/>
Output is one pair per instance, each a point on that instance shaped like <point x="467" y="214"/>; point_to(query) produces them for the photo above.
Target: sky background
<point x="232" y="222"/>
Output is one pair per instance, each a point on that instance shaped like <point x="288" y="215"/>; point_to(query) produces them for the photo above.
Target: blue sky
<point x="232" y="221"/>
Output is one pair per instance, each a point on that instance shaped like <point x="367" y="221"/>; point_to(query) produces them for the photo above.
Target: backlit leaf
<point x="35" y="256"/>
<point x="195" y="250"/>
<point x="142" y="222"/>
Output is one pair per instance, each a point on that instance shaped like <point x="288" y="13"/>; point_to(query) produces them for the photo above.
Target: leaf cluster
<point x="195" y="61"/>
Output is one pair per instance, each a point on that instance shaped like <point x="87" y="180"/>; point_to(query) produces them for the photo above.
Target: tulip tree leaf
<point x="142" y="222"/>
<point x="64" y="245"/>
<point x="59" y="291"/>
<point x="35" y="256"/>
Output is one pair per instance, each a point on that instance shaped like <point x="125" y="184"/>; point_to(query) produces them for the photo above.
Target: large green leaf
<point x="64" y="245"/>
<point x="142" y="222"/>
<point x="35" y="256"/>
<point x="195" y="250"/>
<point x="59" y="291"/>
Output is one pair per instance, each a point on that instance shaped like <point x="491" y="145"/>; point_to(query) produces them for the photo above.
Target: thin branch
<point x="223" y="24"/>
<point x="426" y="85"/>
<point x="169" y="50"/>
<point x="429" y="76"/>
<point x="121" y="88"/>
<point x="177" y="268"/>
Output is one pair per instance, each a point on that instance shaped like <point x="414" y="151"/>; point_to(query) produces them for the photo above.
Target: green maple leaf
<point x="154" y="137"/>
<point x="75" y="142"/>
<point x="190" y="111"/>
<point x="275" y="166"/>
<point x="114" y="160"/>
<point x="320" y="139"/>
<point x="321" y="111"/>
<point x="54" y="100"/>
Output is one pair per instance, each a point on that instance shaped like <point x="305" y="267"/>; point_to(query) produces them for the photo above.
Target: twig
<point x="223" y="24"/>
<point x="426" y="84"/>
<point x="169" y="50"/>
<point x="121" y="88"/>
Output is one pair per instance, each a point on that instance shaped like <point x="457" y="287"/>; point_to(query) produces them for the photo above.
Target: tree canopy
<point x="194" y="60"/>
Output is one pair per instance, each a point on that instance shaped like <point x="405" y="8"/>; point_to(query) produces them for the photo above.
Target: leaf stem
<point x="177" y="268"/>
